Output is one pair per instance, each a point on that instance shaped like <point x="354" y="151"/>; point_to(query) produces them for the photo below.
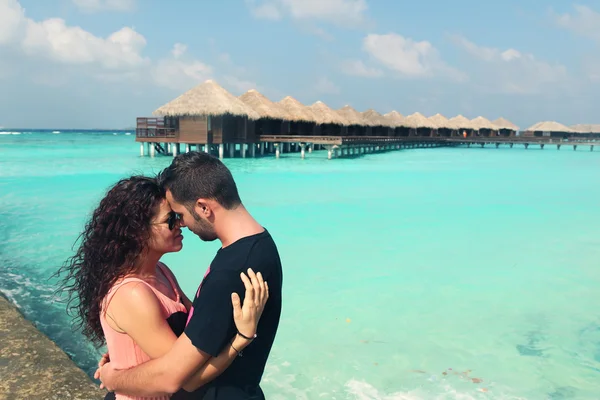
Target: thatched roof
<point x="352" y="116"/>
<point x="503" y="123"/>
<point x="418" y="120"/>
<point x="549" y="126"/>
<point x="208" y="98"/>
<point x="297" y="111"/>
<point x="375" y="118"/>
<point x="326" y="115"/>
<point x="442" y="122"/>
<point x="483" y="123"/>
<point x="586" y="128"/>
<point x="263" y="106"/>
<point x="461" y="122"/>
<point x="395" y="118"/>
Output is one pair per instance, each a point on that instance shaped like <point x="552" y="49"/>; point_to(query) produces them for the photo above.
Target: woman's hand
<point x="247" y="315"/>
<point x="104" y="360"/>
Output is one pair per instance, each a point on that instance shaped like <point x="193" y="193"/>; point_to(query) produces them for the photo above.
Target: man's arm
<point x="160" y="376"/>
<point x="246" y="320"/>
<point x="207" y="334"/>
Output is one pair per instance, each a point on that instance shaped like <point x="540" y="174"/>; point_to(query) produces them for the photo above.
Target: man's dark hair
<point x="197" y="175"/>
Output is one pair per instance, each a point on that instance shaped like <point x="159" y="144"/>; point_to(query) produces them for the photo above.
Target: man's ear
<point x="202" y="207"/>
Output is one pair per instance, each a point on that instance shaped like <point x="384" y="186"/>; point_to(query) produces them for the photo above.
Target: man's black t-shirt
<point x="211" y="325"/>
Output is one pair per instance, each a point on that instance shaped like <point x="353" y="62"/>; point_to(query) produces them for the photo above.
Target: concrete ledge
<point x="34" y="367"/>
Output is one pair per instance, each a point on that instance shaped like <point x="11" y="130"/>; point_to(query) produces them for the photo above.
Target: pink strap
<point x="113" y="290"/>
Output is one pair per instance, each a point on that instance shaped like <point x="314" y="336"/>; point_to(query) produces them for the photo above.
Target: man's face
<point x="195" y="219"/>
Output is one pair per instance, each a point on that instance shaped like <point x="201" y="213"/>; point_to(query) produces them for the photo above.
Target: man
<point x="201" y="189"/>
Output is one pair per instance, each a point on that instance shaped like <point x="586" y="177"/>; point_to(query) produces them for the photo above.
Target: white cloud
<point x="584" y="21"/>
<point x="12" y="18"/>
<point x="105" y="5"/>
<point x="266" y="11"/>
<point x="407" y="57"/>
<point x="72" y="45"/>
<point x="510" y="71"/>
<point x="358" y="68"/>
<point x="178" y="73"/>
<point x="326" y="86"/>
<point x="51" y="52"/>
<point x="178" y="50"/>
<point x="53" y="39"/>
<point x="347" y="12"/>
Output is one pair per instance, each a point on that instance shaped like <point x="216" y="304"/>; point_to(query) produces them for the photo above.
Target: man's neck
<point x="237" y="224"/>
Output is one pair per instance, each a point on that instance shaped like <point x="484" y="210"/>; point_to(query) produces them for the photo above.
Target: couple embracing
<point x="162" y="345"/>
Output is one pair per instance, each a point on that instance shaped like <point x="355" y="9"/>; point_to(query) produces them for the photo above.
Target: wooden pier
<point x="165" y="143"/>
<point x="526" y="142"/>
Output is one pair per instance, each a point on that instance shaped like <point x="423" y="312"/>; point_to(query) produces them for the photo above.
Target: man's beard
<point x="202" y="229"/>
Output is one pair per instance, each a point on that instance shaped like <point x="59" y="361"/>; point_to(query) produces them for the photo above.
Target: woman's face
<point x="162" y="239"/>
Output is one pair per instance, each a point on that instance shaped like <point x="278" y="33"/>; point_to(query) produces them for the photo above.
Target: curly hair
<point x="111" y="245"/>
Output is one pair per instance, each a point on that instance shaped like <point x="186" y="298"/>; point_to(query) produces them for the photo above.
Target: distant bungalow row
<point x="208" y="114"/>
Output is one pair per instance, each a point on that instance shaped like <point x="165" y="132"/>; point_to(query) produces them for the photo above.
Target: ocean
<point x="445" y="273"/>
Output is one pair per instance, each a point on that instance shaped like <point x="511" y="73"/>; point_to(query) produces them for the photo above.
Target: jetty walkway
<point x="351" y="146"/>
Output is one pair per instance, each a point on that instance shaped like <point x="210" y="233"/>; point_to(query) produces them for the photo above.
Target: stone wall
<point x="34" y="367"/>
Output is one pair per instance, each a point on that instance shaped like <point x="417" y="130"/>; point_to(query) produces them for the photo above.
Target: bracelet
<point x="246" y="337"/>
<point x="239" y="353"/>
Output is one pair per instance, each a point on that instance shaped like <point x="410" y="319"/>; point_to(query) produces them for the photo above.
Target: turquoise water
<point x="416" y="274"/>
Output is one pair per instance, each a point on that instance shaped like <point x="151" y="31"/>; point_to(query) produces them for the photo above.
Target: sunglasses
<point x="173" y="220"/>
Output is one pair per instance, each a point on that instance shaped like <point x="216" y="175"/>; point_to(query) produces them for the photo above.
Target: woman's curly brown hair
<point x="111" y="245"/>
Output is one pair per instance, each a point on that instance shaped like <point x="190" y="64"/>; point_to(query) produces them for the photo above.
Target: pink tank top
<point x="124" y="352"/>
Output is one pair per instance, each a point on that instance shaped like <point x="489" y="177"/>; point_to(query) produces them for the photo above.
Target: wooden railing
<point x="153" y="127"/>
<point x="155" y="132"/>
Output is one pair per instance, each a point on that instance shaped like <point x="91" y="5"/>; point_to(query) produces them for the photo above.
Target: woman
<point x="125" y="296"/>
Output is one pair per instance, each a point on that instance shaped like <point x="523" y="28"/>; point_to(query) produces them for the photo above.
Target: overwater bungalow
<point x="591" y="131"/>
<point x="446" y="128"/>
<point x="204" y="115"/>
<point x="398" y="122"/>
<point x="463" y="124"/>
<point x="419" y="125"/>
<point x="357" y="124"/>
<point x="303" y="122"/>
<point x="274" y="119"/>
<point x="484" y="127"/>
<point x="551" y="129"/>
<point x="505" y="127"/>
<point x="331" y="123"/>
<point x="380" y="126"/>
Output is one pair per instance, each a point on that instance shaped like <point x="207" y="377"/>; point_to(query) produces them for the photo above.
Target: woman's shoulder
<point x="134" y="295"/>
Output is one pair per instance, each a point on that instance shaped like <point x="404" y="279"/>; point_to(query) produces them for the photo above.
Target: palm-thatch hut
<point x="463" y="124"/>
<point x="273" y="117"/>
<point x="380" y="126"/>
<point x="445" y="126"/>
<point x="586" y="130"/>
<point x="484" y="127"/>
<point x="332" y="123"/>
<point x="549" y="129"/>
<point x="419" y="125"/>
<point x="357" y="124"/>
<point x="505" y="127"/>
<point x="302" y="120"/>
<point x="398" y="122"/>
<point x="208" y="113"/>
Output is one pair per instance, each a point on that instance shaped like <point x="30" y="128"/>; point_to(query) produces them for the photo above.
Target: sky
<point x="101" y="63"/>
